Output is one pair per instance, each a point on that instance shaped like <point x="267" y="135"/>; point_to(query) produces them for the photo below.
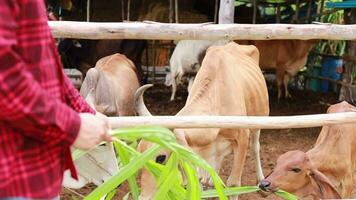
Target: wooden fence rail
<point x="208" y="31"/>
<point x="273" y="122"/>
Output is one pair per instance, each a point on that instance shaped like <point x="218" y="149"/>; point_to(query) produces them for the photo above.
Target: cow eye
<point x="296" y="170"/>
<point x="160" y="159"/>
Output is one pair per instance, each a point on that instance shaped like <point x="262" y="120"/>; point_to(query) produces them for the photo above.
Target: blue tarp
<point x="344" y="4"/>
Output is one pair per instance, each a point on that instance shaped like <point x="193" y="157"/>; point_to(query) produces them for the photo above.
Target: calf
<point x="287" y="57"/>
<point x="228" y="83"/>
<point x="325" y="171"/>
<point x="186" y="60"/>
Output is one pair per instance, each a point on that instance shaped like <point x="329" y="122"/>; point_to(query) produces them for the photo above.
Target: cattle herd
<point x="225" y="78"/>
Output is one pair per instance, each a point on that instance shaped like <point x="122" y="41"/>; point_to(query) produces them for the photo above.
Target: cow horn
<point x="140" y="106"/>
<point x="90" y="99"/>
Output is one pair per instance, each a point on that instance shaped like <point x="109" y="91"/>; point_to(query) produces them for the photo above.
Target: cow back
<point x="230" y="82"/>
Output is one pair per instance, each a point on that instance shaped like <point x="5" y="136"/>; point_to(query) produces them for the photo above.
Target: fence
<point x="163" y="31"/>
<point x="207" y="31"/>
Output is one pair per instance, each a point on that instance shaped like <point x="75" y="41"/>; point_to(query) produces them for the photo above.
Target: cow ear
<point x="322" y="186"/>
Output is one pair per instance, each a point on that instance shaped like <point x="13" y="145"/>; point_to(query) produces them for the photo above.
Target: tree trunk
<point x="345" y="92"/>
<point x="226" y="12"/>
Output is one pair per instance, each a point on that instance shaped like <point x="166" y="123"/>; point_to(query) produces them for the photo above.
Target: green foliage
<point x="332" y="47"/>
<point x="169" y="177"/>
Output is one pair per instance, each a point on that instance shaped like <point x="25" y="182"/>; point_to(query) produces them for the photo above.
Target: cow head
<point x="147" y="180"/>
<point x="97" y="89"/>
<point x="295" y="173"/>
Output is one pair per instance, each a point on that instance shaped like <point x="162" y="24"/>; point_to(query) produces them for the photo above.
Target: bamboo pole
<point x="216" y="11"/>
<point x="128" y="9"/>
<point x="88" y="10"/>
<point x="296" y="16"/>
<point x="348" y="85"/>
<point x="321" y="9"/>
<point x="309" y="11"/>
<point x="167" y="31"/>
<point x="275" y="122"/>
<point x="278" y="15"/>
<point x="171" y="11"/>
<point x="122" y="10"/>
<point x="254" y="11"/>
<point x="176" y="9"/>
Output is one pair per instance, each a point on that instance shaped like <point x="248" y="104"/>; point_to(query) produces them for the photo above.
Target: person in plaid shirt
<point x="41" y="113"/>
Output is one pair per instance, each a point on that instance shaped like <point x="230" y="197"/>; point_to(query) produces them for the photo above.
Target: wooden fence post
<point x="345" y="92"/>
<point x="226" y="12"/>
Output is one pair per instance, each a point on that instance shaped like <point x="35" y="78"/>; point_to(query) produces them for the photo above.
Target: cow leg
<point x="280" y="81"/>
<point x="174" y="88"/>
<point x="255" y="144"/>
<point x="190" y="84"/>
<point x="286" y="81"/>
<point x="240" y="151"/>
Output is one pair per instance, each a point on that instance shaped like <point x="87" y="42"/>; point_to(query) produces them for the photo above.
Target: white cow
<point x="186" y="60"/>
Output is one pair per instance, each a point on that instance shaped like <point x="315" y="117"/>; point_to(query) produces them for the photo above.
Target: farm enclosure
<point x="273" y="142"/>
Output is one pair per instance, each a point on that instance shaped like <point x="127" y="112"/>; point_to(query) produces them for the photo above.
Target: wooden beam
<point x="226" y="11"/>
<point x="274" y="122"/>
<point x="348" y="85"/>
<point x="166" y="31"/>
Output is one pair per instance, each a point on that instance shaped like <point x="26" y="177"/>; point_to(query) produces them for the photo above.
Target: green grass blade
<point x="111" y="195"/>
<point x="193" y="181"/>
<point x="167" y="184"/>
<point x="77" y="154"/>
<point x="124" y="173"/>
<point x="198" y="161"/>
<point x="125" y="159"/>
<point x="230" y="191"/>
<point x="151" y="133"/>
<point x="171" y="164"/>
<point x="286" y="195"/>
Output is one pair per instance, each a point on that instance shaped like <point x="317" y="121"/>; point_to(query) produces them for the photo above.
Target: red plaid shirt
<point x="38" y="104"/>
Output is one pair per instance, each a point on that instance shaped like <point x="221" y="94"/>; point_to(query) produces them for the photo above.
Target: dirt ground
<point x="273" y="142"/>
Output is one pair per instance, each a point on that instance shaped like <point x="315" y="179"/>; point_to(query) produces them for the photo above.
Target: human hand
<point x="93" y="130"/>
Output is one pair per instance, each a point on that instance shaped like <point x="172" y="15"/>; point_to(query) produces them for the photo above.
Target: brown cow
<point x="325" y="171"/>
<point x="228" y="83"/>
<point x="287" y="57"/>
<point x="114" y="82"/>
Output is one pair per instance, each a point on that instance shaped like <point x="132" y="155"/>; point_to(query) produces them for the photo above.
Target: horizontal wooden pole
<point x="333" y="81"/>
<point x="208" y="31"/>
<point x="277" y="122"/>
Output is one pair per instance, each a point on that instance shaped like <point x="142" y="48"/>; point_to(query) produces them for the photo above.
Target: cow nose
<point x="264" y="184"/>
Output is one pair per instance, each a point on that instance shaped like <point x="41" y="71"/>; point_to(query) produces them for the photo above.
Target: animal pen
<point x="149" y="30"/>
